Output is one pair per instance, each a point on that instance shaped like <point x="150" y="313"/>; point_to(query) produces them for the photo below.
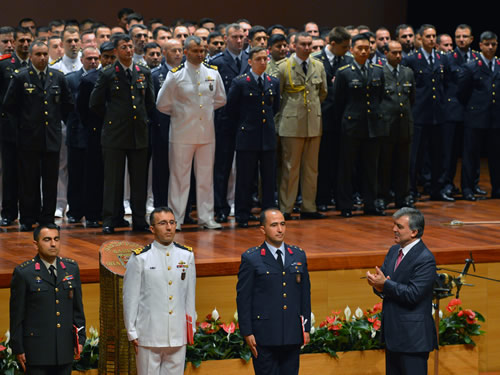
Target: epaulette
<point x="69" y="260"/>
<point x="296" y="248"/>
<point x="107" y="67"/>
<point x="279" y="62"/>
<point x="55" y="61"/>
<point x="28" y="262"/>
<point x="184" y="247"/>
<point x="317" y="56"/>
<point x="177" y="68"/>
<point x="143" y="64"/>
<point x="141" y="250"/>
<point x="5" y="57"/>
<point x="253" y="249"/>
<point x="210" y="66"/>
<point x="242" y="75"/>
<point x="378" y="65"/>
<point x="217" y="55"/>
<point x="343" y="67"/>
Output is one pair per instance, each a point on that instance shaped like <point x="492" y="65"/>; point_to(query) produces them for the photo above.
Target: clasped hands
<point x="377" y="279"/>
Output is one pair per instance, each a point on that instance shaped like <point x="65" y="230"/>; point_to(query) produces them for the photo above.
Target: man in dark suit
<point x="477" y="92"/>
<point x="8" y="128"/>
<point x="358" y="91"/>
<point x="38" y="99"/>
<point x="124" y="95"/>
<point x="46" y="307"/>
<point x="230" y="64"/>
<point x="274" y="299"/>
<point x="333" y="57"/>
<point x="405" y="283"/>
<point x="430" y="69"/>
<point x="252" y="102"/>
<point x="76" y="140"/>
<point x="398" y="127"/>
<point x="93" y="165"/>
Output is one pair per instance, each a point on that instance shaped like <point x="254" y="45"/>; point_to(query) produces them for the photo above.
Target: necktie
<point x="400" y="257"/>
<point x="430" y="60"/>
<point x="42" y="78"/>
<point x="395" y="72"/>
<point x="52" y="271"/>
<point x="491" y="65"/>
<point x="280" y="258"/>
<point x="24" y="64"/>
<point x="304" y="67"/>
<point x="261" y="84"/>
<point x="238" y="63"/>
<point x="466" y="57"/>
<point x="363" y="71"/>
<point x="129" y="75"/>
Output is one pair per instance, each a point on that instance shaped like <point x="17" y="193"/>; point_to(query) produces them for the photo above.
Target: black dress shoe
<point x="479" y="191"/>
<point x="296" y="209"/>
<point x="189" y="220"/>
<point x="108" y="230"/>
<point x="288" y="216"/>
<point x="322" y="208"/>
<point x="407" y="203"/>
<point x="26" y="227"/>
<point x="311" y="215"/>
<point x="243" y="224"/>
<point x="73" y="220"/>
<point x="357" y="200"/>
<point x="221" y="218"/>
<point x="92" y="224"/>
<point x="122" y="223"/>
<point x="346" y="212"/>
<point x="253" y="218"/>
<point x="442" y="197"/>
<point x="470" y="197"/>
<point x="6" y="222"/>
<point x="377" y="211"/>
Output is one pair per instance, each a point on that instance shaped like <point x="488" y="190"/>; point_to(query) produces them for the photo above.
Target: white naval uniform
<point x="156" y="299"/>
<point x="65" y="65"/>
<point x="190" y="95"/>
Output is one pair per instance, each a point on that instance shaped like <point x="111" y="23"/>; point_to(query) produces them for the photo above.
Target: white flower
<point x="358" y="313"/>
<point x="313" y="320"/>
<point x="94" y="342"/>
<point x="9" y="350"/>
<point x="93" y="332"/>
<point x="347" y="313"/>
<point x="373" y="333"/>
<point x="433" y="310"/>
<point x="215" y="314"/>
<point x="312" y="330"/>
<point x="7" y="337"/>
<point x="440" y="314"/>
<point x="235" y="316"/>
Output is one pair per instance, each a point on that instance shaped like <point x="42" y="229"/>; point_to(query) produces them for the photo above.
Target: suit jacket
<point x="38" y="109"/>
<point x="396" y="104"/>
<point x="328" y="105"/>
<point x="407" y="322"/>
<point x="431" y="80"/>
<point x="357" y="100"/>
<point x="228" y="70"/>
<point x="271" y="300"/>
<point x="477" y="91"/>
<point x="42" y="314"/>
<point x="76" y="133"/>
<point x="124" y="106"/>
<point x="91" y="121"/>
<point x="252" y="112"/>
<point x="301" y="97"/>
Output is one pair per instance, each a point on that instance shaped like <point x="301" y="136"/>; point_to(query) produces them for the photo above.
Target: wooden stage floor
<point x="332" y="243"/>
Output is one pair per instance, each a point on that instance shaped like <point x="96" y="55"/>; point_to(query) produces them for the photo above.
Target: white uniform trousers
<point x="161" y="361"/>
<point x="180" y="159"/>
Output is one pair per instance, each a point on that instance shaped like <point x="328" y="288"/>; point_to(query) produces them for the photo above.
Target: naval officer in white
<point x="159" y="299"/>
<point x="190" y="95"/>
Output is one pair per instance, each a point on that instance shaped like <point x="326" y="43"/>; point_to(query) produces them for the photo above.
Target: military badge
<point x="183" y="274"/>
<point x="70" y="294"/>
<point x="298" y="277"/>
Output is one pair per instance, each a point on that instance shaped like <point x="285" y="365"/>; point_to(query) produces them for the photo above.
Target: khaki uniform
<point x="299" y="128"/>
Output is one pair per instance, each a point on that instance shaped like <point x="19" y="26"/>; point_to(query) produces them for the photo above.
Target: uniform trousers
<point x="62" y="181"/>
<point x="161" y="361"/>
<point x="299" y="159"/>
<point x="180" y="157"/>
<point x="398" y="363"/>
<point x="9" y="181"/>
<point x="277" y="360"/>
<point x="49" y="370"/>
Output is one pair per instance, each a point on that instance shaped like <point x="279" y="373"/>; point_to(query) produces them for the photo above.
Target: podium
<point x="116" y="354"/>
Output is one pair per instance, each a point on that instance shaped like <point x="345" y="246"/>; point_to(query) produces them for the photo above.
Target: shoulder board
<point x="253" y="249"/>
<point x="210" y="66"/>
<point x="107" y="67"/>
<point x="217" y="55"/>
<point x="279" y="62"/>
<point x="5" y="57"/>
<point x="177" y="68"/>
<point x="343" y="67"/>
<point x="141" y="250"/>
<point x="296" y="248"/>
<point x="28" y="262"/>
<point x="55" y="61"/>
<point x="317" y="56"/>
<point x="378" y="65"/>
<point x="69" y="260"/>
<point x="184" y="247"/>
<point x="242" y="75"/>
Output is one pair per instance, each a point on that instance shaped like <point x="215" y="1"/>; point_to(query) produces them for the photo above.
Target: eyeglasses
<point x="165" y="222"/>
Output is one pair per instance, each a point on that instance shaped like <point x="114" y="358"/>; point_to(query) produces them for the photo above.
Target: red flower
<point x="470" y="316"/>
<point x="2" y="348"/>
<point x="377" y="307"/>
<point x="452" y="305"/>
<point x="335" y="327"/>
<point x="205" y="325"/>
<point x="376" y="323"/>
<point x="229" y="328"/>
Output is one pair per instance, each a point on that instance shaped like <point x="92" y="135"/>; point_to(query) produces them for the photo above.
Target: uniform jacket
<point x="399" y="96"/>
<point x="42" y="314"/>
<point x="252" y="112"/>
<point x="357" y="100"/>
<point x="301" y="97"/>
<point x="407" y="322"/>
<point x="454" y="109"/>
<point x="477" y="91"/>
<point x="272" y="67"/>
<point x="66" y="65"/>
<point x="90" y="120"/>
<point x="76" y="133"/>
<point x="228" y="70"/>
<point x="124" y="106"/>
<point x="190" y="95"/>
<point x="158" y="291"/>
<point x="270" y="300"/>
<point x="160" y="122"/>
<point x="431" y="81"/>
<point x="38" y="109"/>
<point x="328" y="105"/>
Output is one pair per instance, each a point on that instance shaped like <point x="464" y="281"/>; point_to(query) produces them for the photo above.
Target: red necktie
<point x="400" y="257"/>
